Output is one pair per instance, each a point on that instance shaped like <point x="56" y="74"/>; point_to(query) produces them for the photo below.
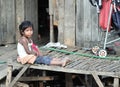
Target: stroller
<point x="109" y="20"/>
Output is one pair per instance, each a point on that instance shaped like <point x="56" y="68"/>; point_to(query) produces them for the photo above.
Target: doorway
<point x="43" y="21"/>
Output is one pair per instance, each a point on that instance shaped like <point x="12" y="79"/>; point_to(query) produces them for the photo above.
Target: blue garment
<point x="43" y="60"/>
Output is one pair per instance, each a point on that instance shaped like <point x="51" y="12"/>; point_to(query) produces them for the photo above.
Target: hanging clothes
<point x="116" y="17"/>
<point x="104" y="14"/>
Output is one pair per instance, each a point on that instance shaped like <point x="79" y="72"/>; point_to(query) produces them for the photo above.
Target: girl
<point x="27" y="51"/>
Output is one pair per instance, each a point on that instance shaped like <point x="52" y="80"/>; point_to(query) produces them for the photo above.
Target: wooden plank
<point x="3" y="25"/>
<point x="87" y="24"/>
<point x="114" y="68"/>
<point x="51" y="7"/>
<point x="51" y="29"/>
<point x="87" y="32"/>
<point x="79" y="23"/>
<point x="109" y="66"/>
<point x="19" y="84"/>
<point x="69" y="32"/>
<point x="96" y="33"/>
<point x="61" y="14"/>
<point x="34" y="18"/>
<point x="19" y="16"/>
<point x="30" y="8"/>
<point x="71" y="70"/>
<point x="97" y="79"/>
<point x="41" y="78"/>
<point x="3" y="72"/>
<point x="116" y="82"/>
<point x="10" y="22"/>
<point x="51" y="20"/>
<point x="0" y="26"/>
<point x="9" y="73"/>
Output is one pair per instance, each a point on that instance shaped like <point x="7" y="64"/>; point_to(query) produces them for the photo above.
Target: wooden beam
<point x="41" y="78"/>
<point x="97" y="79"/>
<point x="9" y="73"/>
<point x="69" y="31"/>
<point x="19" y="16"/>
<point x="116" y="82"/>
<point x="50" y="7"/>
<point x="61" y="9"/>
<point x="51" y="20"/>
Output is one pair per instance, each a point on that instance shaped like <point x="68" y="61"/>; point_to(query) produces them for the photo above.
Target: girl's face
<point x="28" y="32"/>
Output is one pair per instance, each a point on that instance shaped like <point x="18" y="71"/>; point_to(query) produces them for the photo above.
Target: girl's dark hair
<point x="24" y="25"/>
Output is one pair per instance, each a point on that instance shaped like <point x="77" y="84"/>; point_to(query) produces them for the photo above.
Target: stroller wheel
<point x="95" y="50"/>
<point x="102" y="53"/>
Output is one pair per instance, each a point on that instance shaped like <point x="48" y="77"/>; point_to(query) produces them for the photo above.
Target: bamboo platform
<point x="81" y="63"/>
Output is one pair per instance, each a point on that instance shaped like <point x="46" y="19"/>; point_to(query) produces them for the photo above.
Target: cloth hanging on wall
<point x="104" y="14"/>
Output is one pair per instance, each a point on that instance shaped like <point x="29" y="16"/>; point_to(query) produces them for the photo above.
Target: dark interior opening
<point x="43" y="21"/>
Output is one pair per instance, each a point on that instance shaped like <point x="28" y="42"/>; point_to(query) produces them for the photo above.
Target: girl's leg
<point x="57" y="61"/>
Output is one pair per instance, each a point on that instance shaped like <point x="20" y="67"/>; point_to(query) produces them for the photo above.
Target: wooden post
<point x="69" y="31"/>
<point x="20" y="11"/>
<point x="97" y="79"/>
<point x="9" y="73"/>
<point x="68" y="78"/>
<point x="25" y="67"/>
<point x="51" y="20"/>
<point x="116" y="82"/>
<point x="61" y="9"/>
<point x="41" y="84"/>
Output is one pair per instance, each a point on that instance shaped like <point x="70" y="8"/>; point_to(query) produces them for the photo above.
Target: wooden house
<point x="76" y="20"/>
<point x="70" y="22"/>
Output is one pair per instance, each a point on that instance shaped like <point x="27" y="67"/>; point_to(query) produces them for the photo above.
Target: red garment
<point x="104" y="14"/>
<point x="36" y="49"/>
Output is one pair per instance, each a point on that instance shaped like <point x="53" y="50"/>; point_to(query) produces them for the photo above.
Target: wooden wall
<point x="78" y="23"/>
<point x="7" y="21"/>
<point x="66" y="21"/>
<point x="31" y="14"/>
<point x="12" y="13"/>
<point x="87" y="32"/>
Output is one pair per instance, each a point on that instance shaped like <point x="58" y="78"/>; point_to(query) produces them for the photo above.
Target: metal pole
<point x="108" y="26"/>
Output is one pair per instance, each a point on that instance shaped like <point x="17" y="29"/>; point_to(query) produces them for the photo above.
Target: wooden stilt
<point x="116" y="82"/>
<point x="97" y="79"/>
<point x="41" y="84"/>
<point x="9" y="73"/>
<point x="69" y="82"/>
<point x="51" y="20"/>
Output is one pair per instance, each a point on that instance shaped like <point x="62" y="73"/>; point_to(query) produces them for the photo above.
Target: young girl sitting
<point x="27" y="51"/>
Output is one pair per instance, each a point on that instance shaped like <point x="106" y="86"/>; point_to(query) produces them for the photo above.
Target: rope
<point x="79" y="54"/>
<point x="3" y="62"/>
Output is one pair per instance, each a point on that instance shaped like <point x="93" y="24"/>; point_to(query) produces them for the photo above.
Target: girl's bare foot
<point x="65" y="61"/>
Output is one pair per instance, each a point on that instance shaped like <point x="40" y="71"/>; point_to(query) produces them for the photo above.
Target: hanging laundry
<point x="104" y="14"/>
